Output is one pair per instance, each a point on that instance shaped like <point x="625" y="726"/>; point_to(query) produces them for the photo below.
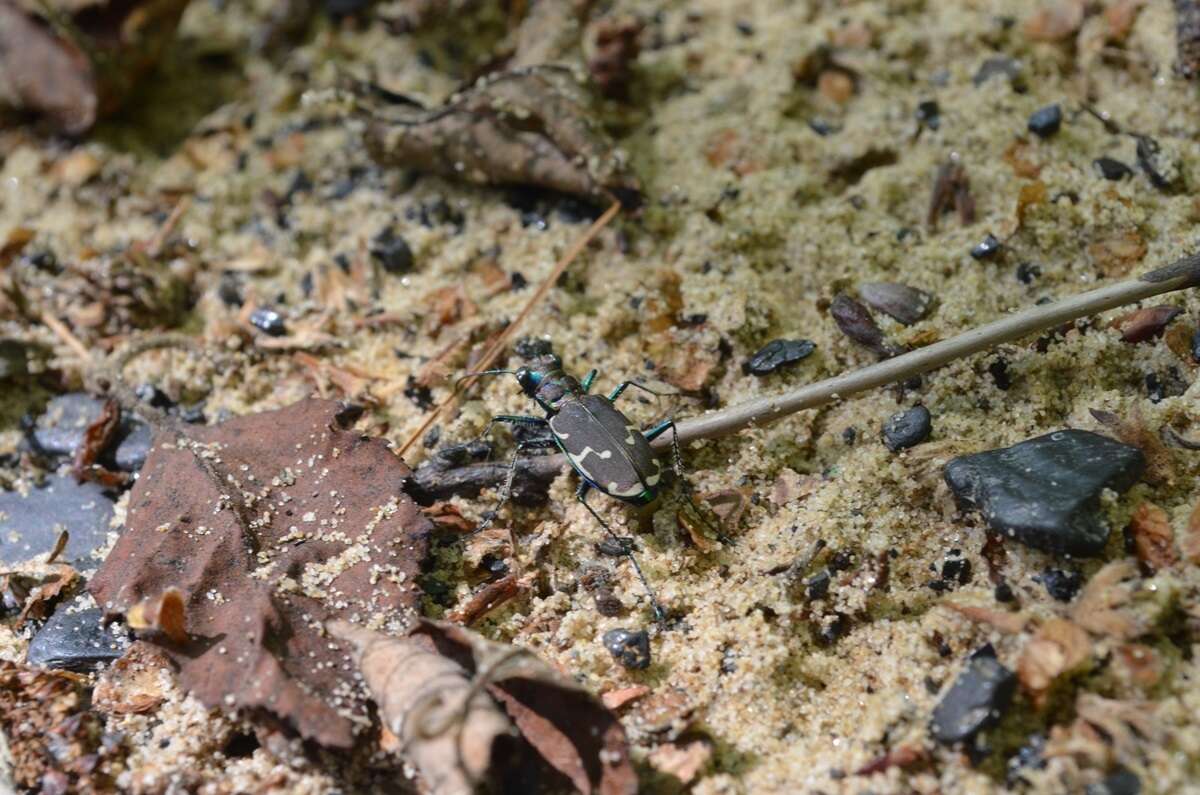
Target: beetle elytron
<point x="610" y="453"/>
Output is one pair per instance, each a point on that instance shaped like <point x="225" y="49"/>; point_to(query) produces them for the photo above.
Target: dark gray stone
<point x="29" y="524"/>
<point x="75" y="639"/>
<point x="1122" y="782"/>
<point x="1045" y="492"/>
<point x="907" y="429"/>
<point x="975" y="701"/>
<point x="777" y="354"/>
<point x="1046" y="121"/>
<point x="59" y="431"/>
<point x="631" y="648"/>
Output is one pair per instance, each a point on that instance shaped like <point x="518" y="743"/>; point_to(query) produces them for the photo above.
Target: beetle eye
<point x="528" y="379"/>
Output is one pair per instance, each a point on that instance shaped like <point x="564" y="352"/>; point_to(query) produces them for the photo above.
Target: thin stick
<point x="1177" y="276"/>
<point x="155" y="244"/>
<point x="497" y="346"/>
<point x="67" y="336"/>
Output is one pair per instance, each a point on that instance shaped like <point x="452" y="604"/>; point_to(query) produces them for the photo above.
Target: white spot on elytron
<point x="578" y="459"/>
<point x="631" y="439"/>
<point x="615" y="490"/>
<point x="562" y="435"/>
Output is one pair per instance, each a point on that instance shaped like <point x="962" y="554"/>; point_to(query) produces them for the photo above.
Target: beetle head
<point x="531" y="376"/>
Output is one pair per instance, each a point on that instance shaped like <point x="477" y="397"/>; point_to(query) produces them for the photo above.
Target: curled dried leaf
<point x="905" y="304"/>
<point x="1153" y="538"/>
<point x="163" y="614"/>
<point x="1059" y="647"/>
<point x="96" y="439"/>
<point x="1098" y="608"/>
<point x="1148" y="323"/>
<point x="523" y="127"/>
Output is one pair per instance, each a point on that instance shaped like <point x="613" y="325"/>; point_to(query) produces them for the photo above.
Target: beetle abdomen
<point x="607" y="449"/>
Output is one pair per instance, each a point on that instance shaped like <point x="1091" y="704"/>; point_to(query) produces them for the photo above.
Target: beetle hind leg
<point x="581" y="495"/>
<point x="657" y="430"/>
<point x="506" y="491"/>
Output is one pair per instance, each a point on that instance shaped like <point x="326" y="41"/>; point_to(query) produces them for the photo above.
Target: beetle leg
<point x="511" y="419"/>
<point x="506" y="491"/>
<point x="586" y="384"/>
<point x="621" y="387"/>
<point x="581" y="495"/>
<point x="677" y="464"/>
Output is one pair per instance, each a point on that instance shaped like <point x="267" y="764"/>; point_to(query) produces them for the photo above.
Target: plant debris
<point x="528" y="126"/>
<point x="134" y="683"/>
<point x="271" y="524"/>
<point x="77" y="61"/>
<point x="1099" y="608"/>
<point x="1187" y="37"/>
<point x="432" y="690"/>
<point x="951" y="190"/>
<point x="1059" y="647"/>
<point x="1153" y="538"/>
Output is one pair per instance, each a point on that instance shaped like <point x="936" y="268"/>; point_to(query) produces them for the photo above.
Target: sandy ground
<point x="762" y="221"/>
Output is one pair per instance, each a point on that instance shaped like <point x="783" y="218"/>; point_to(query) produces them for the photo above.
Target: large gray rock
<point x="30" y="524"/>
<point x="1045" y="492"/>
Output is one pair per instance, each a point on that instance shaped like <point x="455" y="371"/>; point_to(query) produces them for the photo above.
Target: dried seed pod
<point x="856" y="322"/>
<point x="905" y="304"/>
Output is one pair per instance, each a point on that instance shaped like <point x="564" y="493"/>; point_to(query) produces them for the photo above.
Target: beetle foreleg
<point x="581" y="494"/>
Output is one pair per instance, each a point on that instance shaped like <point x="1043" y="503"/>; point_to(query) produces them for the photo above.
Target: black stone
<point x="1110" y="169"/>
<point x="987" y="248"/>
<point x="421" y="396"/>
<point x="1003" y="592"/>
<point x="1122" y="782"/>
<point x="229" y="290"/>
<point x="75" y="639"/>
<point x="817" y="586"/>
<point x="152" y="395"/>
<point x="1062" y="585"/>
<point x="976" y="700"/>
<point x="1027" y="272"/>
<point x="776" y="354"/>
<point x="30" y="524"/>
<point x="631" y="648"/>
<point x="268" y="321"/>
<point x="907" y="429"/>
<point x="929" y="114"/>
<point x="1044" y="492"/>
<point x="821" y="128"/>
<point x="392" y="251"/>
<point x="1046" y="121"/>
<point x="1000" y="375"/>
<point x="59" y="431"/>
<point x="1159" y="167"/>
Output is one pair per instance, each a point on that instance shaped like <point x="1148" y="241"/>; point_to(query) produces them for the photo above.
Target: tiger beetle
<point x="610" y="453"/>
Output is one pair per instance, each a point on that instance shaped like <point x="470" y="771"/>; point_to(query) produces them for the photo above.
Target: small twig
<point x="1179" y="275"/>
<point x="155" y="244"/>
<point x="67" y="336"/>
<point x="498" y="345"/>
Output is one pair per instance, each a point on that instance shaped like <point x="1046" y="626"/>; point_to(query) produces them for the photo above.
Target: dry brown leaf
<point x="1153" y="538"/>
<point x="615" y="699"/>
<point x="96" y="439"/>
<point x="1059" y="647"/>
<point x="1018" y="156"/>
<point x="1117" y="253"/>
<point x="448" y="518"/>
<point x="133" y="684"/>
<point x="791" y="485"/>
<point x="86" y="64"/>
<point x="485" y="600"/>
<point x="526" y="127"/>
<point x="452" y="732"/>
<point x="1098" y="608"/>
<point x="271" y="524"/>
<point x="162" y="614"/>
<point x="567" y="727"/>
<point x="683" y="760"/>
<point x="447" y="306"/>
<point x="1008" y="623"/>
<point x="1191" y="537"/>
<point x="1055" y="21"/>
<point x="43" y="595"/>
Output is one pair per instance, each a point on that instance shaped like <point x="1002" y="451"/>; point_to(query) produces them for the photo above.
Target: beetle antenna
<point x="465" y="376"/>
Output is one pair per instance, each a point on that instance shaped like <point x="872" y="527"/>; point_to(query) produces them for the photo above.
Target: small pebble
<point x="392" y="251"/>
<point x="76" y="641"/>
<point x="1027" y="272"/>
<point x="988" y="248"/>
<point x="929" y="114"/>
<point x="1159" y="165"/>
<point x="777" y="354"/>
<point x="1112" y="170"/>
<point x="998" y="370"/>
<point x="268" y="321"/>
<point x="902" y="303"/>
<point x="817" y="586"/>
<point x="1122" y="782"/>
<point x="1028" y="756"/>
<point x="631" y="648"/>
<point x="1062" y="585"/>
<point x="1046" y="121"/>
<point x="976" y="700"/>
<point x="1003" y="592"/>
<point x="821" y="128"/>
<point x="907" y="428"/>
<point x="999" y="66"/>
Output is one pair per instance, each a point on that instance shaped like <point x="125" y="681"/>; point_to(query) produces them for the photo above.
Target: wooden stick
<point x="67" y="336"/>
<point x="497" y="346"/>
